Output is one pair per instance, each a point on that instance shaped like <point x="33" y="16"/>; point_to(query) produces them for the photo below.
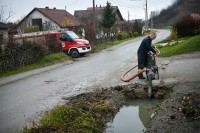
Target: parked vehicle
<point x="70" y="42"/>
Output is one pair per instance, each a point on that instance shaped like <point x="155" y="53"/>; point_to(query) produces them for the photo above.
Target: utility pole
<point x="128" y="16"/>
<point x="146" y="17"/>
<point x="94" y="20"/>
<point x="151" y="20"/>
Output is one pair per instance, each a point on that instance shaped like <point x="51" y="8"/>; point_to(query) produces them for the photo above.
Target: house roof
<point x="58" y="16"/>
<point x="98" y="11"/>
<point x="3" y="26"/>
<point x="195" y="15"/>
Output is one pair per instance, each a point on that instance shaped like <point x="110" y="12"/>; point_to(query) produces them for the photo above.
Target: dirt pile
<point x="190" y="106"/>
<point x="180" y="112"/>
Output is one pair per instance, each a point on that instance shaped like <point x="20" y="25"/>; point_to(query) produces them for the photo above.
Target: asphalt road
<point x="24" y="96"/>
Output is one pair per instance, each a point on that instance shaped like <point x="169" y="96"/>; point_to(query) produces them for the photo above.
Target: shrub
<point x="125" y="35"/>
<point x="187" y="26"/>
<point x="119" y="36"/>
<point x="174" y="36"/>
<point x="130" y="34"/>
<point x="135" y="34"/>
<point x="31" y="29"/>
<point x="51" y="43"/>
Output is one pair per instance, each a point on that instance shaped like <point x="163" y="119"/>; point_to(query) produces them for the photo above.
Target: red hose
<point x="134" y="76"/>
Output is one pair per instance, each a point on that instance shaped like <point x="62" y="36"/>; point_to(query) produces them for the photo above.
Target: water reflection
<point x="135" y="116"/>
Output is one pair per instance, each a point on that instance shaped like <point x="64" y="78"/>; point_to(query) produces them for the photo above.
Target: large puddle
<point x="135" y="116"/>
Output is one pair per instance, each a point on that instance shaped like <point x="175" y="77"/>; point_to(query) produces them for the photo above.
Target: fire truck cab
<point x="72" y="44"/>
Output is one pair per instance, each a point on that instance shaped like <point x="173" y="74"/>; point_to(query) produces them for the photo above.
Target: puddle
<point x="135" y="116"/>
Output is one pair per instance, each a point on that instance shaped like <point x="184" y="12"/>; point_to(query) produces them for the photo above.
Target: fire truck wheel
<point x="74" y="53"/>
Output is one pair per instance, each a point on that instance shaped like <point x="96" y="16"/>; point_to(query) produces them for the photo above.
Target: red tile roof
<point x="98" y="11"/>
<point x="59" y="16"/>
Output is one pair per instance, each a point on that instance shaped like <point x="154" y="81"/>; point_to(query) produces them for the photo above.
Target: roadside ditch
<point x="92" y="111"/>
<point x="171" y="109"/>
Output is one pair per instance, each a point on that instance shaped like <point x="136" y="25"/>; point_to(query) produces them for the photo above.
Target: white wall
<point x="37" y="15"/>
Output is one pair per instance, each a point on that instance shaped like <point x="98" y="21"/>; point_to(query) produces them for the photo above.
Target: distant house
<point x="98" y="12"/>
<point x="48" y="19"/>
<point x="3" y="32"/>
<point x="88" y="14"/>
<point x="195" y="16"/>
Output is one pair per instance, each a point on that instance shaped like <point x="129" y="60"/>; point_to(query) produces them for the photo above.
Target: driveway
<point x="24" y="97"/>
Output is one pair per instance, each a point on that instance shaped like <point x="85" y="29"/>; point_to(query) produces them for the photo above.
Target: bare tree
<point x="5" y="14"/>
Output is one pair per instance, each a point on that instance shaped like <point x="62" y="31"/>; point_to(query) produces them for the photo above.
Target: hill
<point x="172" y="13"/>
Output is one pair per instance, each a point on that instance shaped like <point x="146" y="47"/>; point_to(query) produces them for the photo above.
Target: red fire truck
<point x="71" y="43"/>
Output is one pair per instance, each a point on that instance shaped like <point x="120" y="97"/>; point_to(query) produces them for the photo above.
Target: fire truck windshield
<point x="72" y="35"/>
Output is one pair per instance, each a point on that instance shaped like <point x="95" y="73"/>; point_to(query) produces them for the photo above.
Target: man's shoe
<point x="141" y="77"/>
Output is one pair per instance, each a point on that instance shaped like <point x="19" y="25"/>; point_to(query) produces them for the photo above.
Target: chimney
<point x="96" y="5"/>
<point x="100" y="6"/>
<point x="47" y="7"/>
<point x="54" y="8"/>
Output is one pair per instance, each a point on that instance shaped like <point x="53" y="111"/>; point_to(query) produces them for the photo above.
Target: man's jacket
<point x="145" y="46"/>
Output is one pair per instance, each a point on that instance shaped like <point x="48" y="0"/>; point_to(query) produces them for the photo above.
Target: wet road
<point x="24" y="96"/>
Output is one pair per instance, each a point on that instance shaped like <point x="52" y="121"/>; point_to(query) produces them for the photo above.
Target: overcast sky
<point x="135" y="8"/>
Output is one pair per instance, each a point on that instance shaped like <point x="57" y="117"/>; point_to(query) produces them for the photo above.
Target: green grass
<point x="188" y="45"/>
<point x="68" y="119"/>
<point x="44" y="61"/>
<point x="167" y="27"/>
<point x="81" y="115"/>
<point x="98" y="48"/>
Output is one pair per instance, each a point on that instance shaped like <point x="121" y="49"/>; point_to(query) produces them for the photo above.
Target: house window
<point x="37" y="22"/>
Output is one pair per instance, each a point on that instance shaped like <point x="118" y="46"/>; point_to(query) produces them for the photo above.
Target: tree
<point x="137" y="27"/>
<point x="3" y="16"/>
<point x="109" y="18"/>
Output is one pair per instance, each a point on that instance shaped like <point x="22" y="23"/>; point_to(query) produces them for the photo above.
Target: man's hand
<point x="157" y="51"/>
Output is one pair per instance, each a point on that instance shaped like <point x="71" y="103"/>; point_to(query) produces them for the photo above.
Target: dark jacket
<point x="145" y="46"/>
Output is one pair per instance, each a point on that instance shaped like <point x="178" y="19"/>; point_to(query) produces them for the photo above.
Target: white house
<point x="48" y="19"/>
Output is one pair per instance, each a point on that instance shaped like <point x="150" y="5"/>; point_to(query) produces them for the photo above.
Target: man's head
<point x="153" y="36"/>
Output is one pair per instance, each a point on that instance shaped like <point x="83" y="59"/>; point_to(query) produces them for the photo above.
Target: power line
<point x="125" y="5"/>
<point x="73" y="3"/>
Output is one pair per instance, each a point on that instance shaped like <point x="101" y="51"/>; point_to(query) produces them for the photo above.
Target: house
<point x="48" y="19"/>
<point x="195" y="16"/>
<point x="98" y="13"/>
<point x="3" y="32"/>
<point x="88" y="14"/>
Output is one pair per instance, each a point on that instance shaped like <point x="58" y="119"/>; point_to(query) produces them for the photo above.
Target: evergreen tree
<point x="109" y="17"/>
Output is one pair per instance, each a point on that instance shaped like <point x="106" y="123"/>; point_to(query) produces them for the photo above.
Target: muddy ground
<point x="94" y="108"/>
<point x="180" y="113"/>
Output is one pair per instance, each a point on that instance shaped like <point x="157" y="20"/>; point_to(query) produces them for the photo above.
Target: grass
<point x="80" y="115"/>
<point x="167" y="27"/>
<point x="44" y="61"/>
<point x="188" y="45"/>
<point x="98" y="48"/>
